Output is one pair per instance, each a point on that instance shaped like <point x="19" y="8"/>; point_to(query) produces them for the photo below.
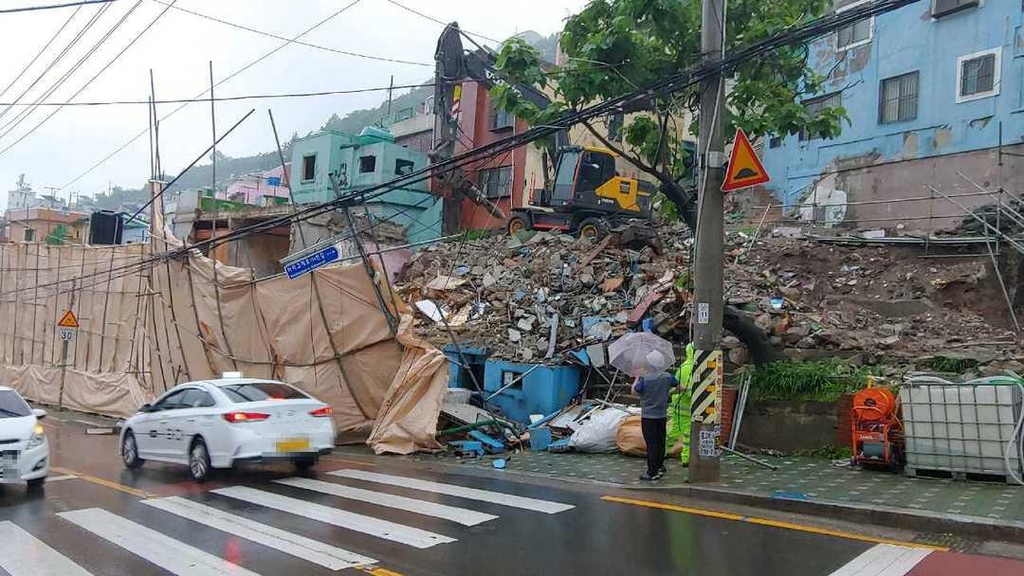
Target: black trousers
<point x="653" y="430"/>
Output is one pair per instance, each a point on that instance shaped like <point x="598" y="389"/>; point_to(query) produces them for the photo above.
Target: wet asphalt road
<point x="594" y="537"/>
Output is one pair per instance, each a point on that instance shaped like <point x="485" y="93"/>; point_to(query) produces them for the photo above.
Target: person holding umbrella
<point x="646" y="357"/>
<point x="654" y="390"/>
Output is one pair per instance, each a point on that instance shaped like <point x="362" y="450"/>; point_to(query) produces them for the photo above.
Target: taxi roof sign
<point x="745" y="168"/>
<point x="68" y="320"/>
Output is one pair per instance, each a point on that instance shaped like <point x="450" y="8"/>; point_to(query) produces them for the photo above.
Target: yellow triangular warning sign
<point x="745" y="168"/>
<point x="68" y="320"/>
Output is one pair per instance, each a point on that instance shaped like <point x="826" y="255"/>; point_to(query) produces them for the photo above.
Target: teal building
<point x="358" y="162"/>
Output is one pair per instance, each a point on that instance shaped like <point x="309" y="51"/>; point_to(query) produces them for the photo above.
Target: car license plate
<point x="293" y="445"/>
<point x="9" y="468"/>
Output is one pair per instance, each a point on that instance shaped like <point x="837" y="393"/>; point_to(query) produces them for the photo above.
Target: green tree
<point x="613" y="47"/>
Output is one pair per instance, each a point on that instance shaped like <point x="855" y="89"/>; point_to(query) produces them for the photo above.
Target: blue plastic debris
<point x="540" y="439"/>
<point x="490" y="444"/>
<point x="499" y="463"/>
<point x="467" y="447"/>
<point x="560" y="446"/>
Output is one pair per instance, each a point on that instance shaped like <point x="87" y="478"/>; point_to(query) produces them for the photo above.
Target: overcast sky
<point x="178" y="48"/>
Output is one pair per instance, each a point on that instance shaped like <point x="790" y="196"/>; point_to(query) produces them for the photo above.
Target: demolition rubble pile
<point x="541" y="294"/>
<point x="533" y="297"/>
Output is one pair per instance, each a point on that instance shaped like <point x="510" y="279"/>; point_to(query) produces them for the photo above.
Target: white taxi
<point x="220" y="423"/>
<point x="24" y="450"/>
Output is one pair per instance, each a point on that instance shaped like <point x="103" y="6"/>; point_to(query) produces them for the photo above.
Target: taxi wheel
<point x="305" y="464"/>
<point x="130" y="451"/>
<point x="199" y="461"/>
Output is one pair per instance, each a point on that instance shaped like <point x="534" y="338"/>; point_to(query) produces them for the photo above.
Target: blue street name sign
<point x="312" y="262"/>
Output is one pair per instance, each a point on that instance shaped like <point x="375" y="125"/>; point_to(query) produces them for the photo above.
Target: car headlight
<point x="38" y="436"/>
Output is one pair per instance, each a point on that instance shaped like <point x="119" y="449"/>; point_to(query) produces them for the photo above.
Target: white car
<point x="24" y="449"/>
<point x="220" y="423"/>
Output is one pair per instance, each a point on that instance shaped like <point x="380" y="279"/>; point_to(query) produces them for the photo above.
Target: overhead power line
<point x="145" y="131"/>
<point x="227" y="98"/>
<point x="52" y="6"/>
<point x="101" y="71"/>
<point x="291" y="41"/>
<point x="662" y="88"/>
<point x="41" y="51"/>
<point x="24" y="114"/>
<point x="441" y="22"/>
<point x="78" y="36"/>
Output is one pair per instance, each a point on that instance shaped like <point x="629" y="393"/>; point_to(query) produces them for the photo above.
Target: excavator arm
<point x="454" y="65"/>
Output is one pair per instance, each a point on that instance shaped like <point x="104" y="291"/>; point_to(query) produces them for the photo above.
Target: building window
<point x="815" y="105"/>
<point x="943" y="7"/>
<point x="977" y="75"/>
<point x="775" y="142"/>
<point x="367" y="164"/>
<point x="30" y="235"/>
<point x="898" y="99"/>
<point x="500" y="119"/>
<point x="309" y="168"/>
<point x="856" y="34"/>
<point x="496" y="182"/>
<point x="403" y="167"/>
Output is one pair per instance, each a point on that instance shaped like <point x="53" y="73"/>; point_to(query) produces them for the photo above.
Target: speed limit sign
<point x="67" y="334"/>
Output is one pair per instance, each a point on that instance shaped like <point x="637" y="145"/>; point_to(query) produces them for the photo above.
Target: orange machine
<point x="877" y="429"/>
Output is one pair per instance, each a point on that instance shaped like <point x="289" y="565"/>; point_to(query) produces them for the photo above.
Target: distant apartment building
<point x="47" y="225"/>
<point x="413" y="127"/>
<point x="360" y="162"/>
<point x="260" y="188"/>
<point x="22" y="196"/>
<point x="934" y="92"/>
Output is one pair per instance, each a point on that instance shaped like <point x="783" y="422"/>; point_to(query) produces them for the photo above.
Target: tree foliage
<point x="612" y="47"/>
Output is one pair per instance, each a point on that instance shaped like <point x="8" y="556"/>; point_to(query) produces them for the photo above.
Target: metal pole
<point x="64" y="347"/>
<point x="707" y="327"/>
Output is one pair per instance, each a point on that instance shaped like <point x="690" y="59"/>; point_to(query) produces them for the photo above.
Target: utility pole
<point x="708" y="282"/>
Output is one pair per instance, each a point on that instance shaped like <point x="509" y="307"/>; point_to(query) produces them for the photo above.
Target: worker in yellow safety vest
<point x="679" y="407"/>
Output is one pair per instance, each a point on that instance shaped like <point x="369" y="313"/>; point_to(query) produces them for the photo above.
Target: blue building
<point x="932" y="90"/>
<point x="358" y="162"/>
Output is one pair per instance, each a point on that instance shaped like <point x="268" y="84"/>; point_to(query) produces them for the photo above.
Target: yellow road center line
<point x="772" y="523"/>
<point x="105" y="483"/>
<point x="377" y="571"/>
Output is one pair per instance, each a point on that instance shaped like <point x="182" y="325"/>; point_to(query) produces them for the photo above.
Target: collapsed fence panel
<point x="148" y="325"/>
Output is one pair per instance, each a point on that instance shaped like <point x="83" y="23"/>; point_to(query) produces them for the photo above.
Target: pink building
<point x="252" y="188"/>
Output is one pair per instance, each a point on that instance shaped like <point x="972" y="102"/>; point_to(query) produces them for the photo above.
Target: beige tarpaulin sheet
<point x="149" y="323"/>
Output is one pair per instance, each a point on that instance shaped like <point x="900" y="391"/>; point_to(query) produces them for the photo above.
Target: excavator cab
<point x="588" y="197"/>
<point x="586" y="180"/>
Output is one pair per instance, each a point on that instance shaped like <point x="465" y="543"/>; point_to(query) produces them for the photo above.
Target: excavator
<point x="586" y="197"/>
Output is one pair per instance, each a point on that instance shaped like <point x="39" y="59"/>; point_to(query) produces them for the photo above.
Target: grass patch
<point x="471" y="235"/>
<point x="952" y="365"/>
<point x="823" y="381"/>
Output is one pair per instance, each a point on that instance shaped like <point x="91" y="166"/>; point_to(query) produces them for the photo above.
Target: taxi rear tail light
<point x="320" y="412"/>
<point x="236" y="417"/>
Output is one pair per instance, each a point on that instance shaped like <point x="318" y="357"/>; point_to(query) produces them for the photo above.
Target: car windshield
<point x="12" y="406"/>
<point x="259" y="391"/>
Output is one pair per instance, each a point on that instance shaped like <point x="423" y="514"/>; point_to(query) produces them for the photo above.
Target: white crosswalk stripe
<point x="350" y="520"/>
<point x="460" y="515"/>
<point x="166" y="552"/>
<point x="883" y="560"/>
<point x="501" y="498"/>
<point x="22" y="554"/>
<point x="294" y="544"/>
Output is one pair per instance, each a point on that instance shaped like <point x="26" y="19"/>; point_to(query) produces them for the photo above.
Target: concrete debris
<point x="879" y="302"/>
